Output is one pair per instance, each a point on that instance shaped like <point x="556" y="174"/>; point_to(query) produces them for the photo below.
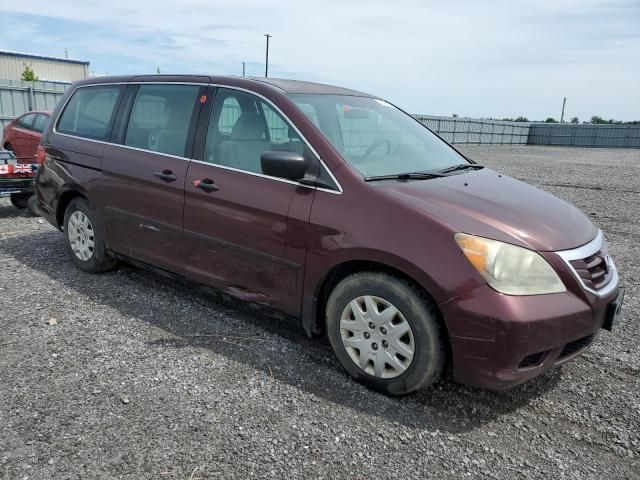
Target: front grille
<point x="594" y="271"/>
<point x="576" y="346"/>
<point x="532" y="360"/>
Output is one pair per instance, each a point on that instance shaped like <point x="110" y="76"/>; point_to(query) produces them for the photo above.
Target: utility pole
<point x="564" y="101"/>
<point x="243" y="69"/>
<point x="266" y="63"/>
<point x="66" y="52"/>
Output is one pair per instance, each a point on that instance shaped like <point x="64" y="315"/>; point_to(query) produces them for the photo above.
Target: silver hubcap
<point x="377" y="337"/>
<point x="81" y="236"/>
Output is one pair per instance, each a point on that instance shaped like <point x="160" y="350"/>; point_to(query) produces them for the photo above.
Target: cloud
<point x="498" y="58"/>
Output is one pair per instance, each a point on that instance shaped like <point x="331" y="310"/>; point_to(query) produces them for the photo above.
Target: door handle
<point x="166" y="175"/>
<point x="206" y="184"/>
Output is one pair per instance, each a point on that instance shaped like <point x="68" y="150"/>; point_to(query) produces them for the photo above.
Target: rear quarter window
<point x="89" y="112"/>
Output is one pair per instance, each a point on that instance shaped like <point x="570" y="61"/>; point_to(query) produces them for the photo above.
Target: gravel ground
<point x="130" y="375"/>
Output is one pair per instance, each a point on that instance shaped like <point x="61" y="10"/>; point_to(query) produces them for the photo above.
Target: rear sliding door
<point x="144" y="170"/>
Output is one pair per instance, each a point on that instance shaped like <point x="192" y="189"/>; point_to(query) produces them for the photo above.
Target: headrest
<point x="177" y="116"/>
<point x="249" y="126"/>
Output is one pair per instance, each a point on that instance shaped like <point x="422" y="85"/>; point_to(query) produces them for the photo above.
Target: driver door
<point x="245" y="232"/>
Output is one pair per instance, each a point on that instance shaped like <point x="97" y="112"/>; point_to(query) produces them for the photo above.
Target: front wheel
<point x="85" y="238"/>
<point x="385" y="332"/>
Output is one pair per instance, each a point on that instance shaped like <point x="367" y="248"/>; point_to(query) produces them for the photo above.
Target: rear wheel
<point x="85" y="238"/>
<point x="385" y="333"/>
<point x="19" y="200"/>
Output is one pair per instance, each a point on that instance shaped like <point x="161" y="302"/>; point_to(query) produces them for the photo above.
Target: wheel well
<point x="63" y="203"/>
<point x="343" y="270"/>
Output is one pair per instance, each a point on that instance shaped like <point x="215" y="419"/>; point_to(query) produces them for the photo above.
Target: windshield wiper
<point x="404" y="176"/>
<point x="462" y="166"/>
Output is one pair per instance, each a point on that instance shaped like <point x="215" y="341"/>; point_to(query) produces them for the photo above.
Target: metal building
<point x="51" y="69"/>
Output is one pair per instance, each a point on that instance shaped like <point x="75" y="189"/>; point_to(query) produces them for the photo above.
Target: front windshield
<point x="375" y="137"/>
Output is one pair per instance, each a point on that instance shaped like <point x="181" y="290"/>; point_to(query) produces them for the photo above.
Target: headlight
<point x="509" y="269"/>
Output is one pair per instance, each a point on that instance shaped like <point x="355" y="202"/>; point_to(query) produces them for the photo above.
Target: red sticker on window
<point x="203" y="98"/>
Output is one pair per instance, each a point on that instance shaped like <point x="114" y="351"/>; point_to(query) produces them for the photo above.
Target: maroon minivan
<point x="334" y="206"/>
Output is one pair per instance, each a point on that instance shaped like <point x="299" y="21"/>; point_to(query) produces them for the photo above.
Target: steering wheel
<point x="375" y="145"/>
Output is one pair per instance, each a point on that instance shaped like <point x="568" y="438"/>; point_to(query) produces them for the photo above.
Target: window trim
<point x="55" y="131"/>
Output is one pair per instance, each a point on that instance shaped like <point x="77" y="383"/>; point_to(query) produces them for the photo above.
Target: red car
<point x="334" y="206"/>
<point x="22" y="135"/>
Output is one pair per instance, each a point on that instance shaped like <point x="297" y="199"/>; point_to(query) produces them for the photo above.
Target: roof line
<point x="42" y="57"/>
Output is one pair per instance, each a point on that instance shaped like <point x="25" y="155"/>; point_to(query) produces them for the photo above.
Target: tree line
<point x="596" y="120"/>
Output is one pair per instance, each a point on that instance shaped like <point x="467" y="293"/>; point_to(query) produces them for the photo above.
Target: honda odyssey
<point x="334" y="206"/>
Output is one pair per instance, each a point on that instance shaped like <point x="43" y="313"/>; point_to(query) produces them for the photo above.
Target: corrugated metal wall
<point x="18" y="97"/>
<point x="12" y="66"/>
<point x="581" y="135"/>
<point x="477" y="131"/>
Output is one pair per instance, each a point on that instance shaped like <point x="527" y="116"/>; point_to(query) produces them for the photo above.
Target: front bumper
<point x="498" y="341"/>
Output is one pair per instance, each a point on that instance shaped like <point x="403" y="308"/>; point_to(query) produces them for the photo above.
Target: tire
<point x="8" y="146"/>
<point x="19" y="200"/>
<point x="386" y="368"/>
<point x="32" y="206"/>
<point x="84" y="238"/>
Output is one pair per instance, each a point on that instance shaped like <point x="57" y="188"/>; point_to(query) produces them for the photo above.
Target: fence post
<point x="438" y="127"/>
<point x="468" y="131"/>
<point x="493" y="129"/>
<point x="30" y="97"/>
<point x="453" y="139"/>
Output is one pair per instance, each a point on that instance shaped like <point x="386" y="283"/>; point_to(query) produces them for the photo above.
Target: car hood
<point x="492" y="205"/>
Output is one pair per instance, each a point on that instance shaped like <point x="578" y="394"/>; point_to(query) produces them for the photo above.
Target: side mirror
<point x="283" y="164"/>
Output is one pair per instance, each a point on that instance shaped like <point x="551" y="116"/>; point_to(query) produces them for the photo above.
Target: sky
<point x="485" y="59"/>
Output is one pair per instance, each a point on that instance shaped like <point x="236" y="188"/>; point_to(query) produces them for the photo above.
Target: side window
<point x="26" y="121"/>
<point x="256" y="129"/>
<point x="40" y="123"/>
<point x="278" y="129"/>
<point x="160" y="118"/>
<point x="90" y="111"/>
<point x="228" y="115"/>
